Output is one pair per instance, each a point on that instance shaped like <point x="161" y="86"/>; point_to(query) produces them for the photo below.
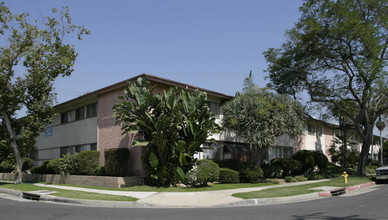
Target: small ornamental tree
<point x="259" y="116"/>
<point x="32" y="56"/>
<point x="173" y="126"/>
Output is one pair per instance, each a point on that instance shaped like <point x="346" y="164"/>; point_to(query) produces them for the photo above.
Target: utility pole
<point x="381" y="125"/>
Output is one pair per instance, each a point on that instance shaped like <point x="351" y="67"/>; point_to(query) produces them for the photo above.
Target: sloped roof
<point x="151" y="78"/>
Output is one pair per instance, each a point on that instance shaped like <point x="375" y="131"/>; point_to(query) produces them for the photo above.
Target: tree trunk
<point x="363" y="157"/>
<point x="345" y="148"/>
<point x="19" y="159"/>
<point x="256" y="156"/>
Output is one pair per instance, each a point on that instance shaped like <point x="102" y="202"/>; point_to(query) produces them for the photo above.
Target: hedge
<point x="116" y="161"/>
<point x="228" y="176"/>
<point x="89" y="162"/>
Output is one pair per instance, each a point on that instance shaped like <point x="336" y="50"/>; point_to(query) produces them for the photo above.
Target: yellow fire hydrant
<point x="345" y="176"/>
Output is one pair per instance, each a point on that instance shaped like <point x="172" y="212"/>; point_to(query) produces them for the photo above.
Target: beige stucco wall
<point x="69" y="134"/>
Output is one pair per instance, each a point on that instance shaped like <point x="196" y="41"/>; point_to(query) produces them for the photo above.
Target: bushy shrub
<point x="307" y="159"/>
<point x="331" y="171"/>
<point x="350" y="171"/>
<point x="271" y="170"/>
<point x="320" y="160"/>
<point x="290" y="179"/>
<point x="375" y="163"/>
<point x="116" y="161"/>
<point x="69" y="164"/>
<point x="274" y="181"/>
<point x="228" y="176"/>
<point x="288" y="166"/>
<point x="229" y="163"/>
<point x="7" y="166"/>
<point x="89" y="162"/>
<point x="300" y="178"/>
<point x="370" y="170"/>
<point x="53" y="166"/>
<point x="251" y="174"/>
<point x="206" y="171"/>
<point x="314" y="176"/>
<point x="27" y="164"/>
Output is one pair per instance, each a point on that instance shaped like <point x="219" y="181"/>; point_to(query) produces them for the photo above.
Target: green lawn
<point x="299" y="190"/>
<point x="211" y="187"/>
<point x="67" y="193"/>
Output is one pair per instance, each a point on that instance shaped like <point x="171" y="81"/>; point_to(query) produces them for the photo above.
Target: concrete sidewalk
<point x="208" y="199"/>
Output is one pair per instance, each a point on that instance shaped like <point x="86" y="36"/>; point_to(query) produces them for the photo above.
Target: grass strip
<point x="144" y="188"/>
<point x="25" y="187"/>
<point x="301" y="189"/>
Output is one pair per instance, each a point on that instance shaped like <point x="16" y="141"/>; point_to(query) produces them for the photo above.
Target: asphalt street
<point x="370" y="203"/>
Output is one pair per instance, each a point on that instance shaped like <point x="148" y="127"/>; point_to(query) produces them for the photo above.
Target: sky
<point x="212" y="44"/>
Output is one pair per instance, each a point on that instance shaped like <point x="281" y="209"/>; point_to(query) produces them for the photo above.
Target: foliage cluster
<point x="337" y="53"/>
<point x="259" y="116"/>
<point x="338" y="153"/>
<point x="205" y="171"/>
<point x="116" y="161"/>
<point x="32" y="55"/>
<point x="173" y="126"/>
<point x="228" y="176"/>
<point x="248" y="173"/>
<point x="89" y="162"/>
<point x="9" y="165"/>
<point x="251" y="173"/>
<point x="85" y="163"/>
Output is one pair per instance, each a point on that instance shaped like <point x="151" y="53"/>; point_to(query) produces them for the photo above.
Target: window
<point x="67" y="116"/>
<point x="319" y="130"/>
<point x="310" y="129"/>
<point x="78" y="148"/>
<point x="214" y="107"/>
<point x="91" y="110"/>
<point x="65" y="150"/>
<point x="93" y="146"/>
<point x="80" y="113"/>
<point x="279" y="152"/>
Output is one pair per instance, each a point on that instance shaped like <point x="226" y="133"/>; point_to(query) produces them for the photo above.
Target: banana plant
<point x="173" y="125"/>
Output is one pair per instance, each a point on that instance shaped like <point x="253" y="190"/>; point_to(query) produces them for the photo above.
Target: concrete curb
<point x="249" y="202"/>
<point x="328" y="193"/>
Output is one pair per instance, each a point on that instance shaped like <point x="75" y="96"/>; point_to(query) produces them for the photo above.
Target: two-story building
<point x="87" y="123"/>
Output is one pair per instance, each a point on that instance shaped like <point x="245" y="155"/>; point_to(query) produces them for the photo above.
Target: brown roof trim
<point x="151" y="78"/>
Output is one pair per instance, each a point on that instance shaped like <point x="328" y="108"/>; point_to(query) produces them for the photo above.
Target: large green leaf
<point x="154" y="161"/>
<point x="179" y="173"/>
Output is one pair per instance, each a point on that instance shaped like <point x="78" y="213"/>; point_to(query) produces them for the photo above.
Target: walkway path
<point x="193" y="199"/>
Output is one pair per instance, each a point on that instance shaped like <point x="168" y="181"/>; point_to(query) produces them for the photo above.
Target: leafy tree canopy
<point x="259" y="116"/>
<point x="337" y="53"/>
<point x="33" y="54"/>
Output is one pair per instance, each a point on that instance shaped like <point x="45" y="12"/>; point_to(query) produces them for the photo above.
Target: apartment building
<point x="87" y="123"/>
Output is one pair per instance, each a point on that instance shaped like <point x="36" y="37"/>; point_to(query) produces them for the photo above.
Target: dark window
<point x="67" y="116"/>
<point x="214" y="107"/>
<point x="80" y="113"/>
<point x="93" y="146"/>
<point x="91" y="110"/>
<point x="311" y="129"/>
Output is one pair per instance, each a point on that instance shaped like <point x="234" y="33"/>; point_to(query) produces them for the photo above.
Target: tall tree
<point x="33" y="55"/>
<point x="259" y="116"/>
<point x="337" y="53"/>
<point x="172" y="126"/>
